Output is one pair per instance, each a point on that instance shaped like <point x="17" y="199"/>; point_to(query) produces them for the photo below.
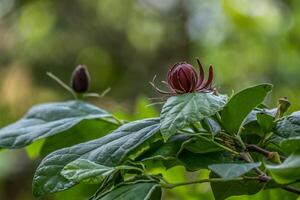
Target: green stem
<point x="126" y="167"/>
<point x="96" y="94"/>
<point x="247" y="156"/>
<point x="117" y="122"/>
<point x="120" y="167"/>
<point x="219" y="119"/>
<point x="265" y="139"/>
<point x="239" y="139"/>
<point x="212" y="141"/>
<point x="61" y="83"/>
<point x="173" y="185"/>
<point x="218" y="144"/>
<point x="166" y="182"/>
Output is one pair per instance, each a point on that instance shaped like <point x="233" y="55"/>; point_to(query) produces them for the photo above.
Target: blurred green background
<point x="125" y="43"/>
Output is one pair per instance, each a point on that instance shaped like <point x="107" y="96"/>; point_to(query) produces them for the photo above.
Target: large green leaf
<point x="288" y="126"/>
<point x="230" y="171"/>
<point x="225" y="189"/>
<point x="288" y="171"/>
<point x="86" y="171"/>
<point x="129" y="140"/>
<point x="85" y="130"/>
<point x="241" y="104"/>
<point x="46" y="120"/>
<point x="180" y="111"/>
<point x="82" y="170"/>
<point x="82" y="132"/>
<point x="266" y="122"/>
<point x="134" y="191"/>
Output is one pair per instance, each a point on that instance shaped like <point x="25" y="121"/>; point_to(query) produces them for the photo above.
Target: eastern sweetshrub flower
<point x="80" y="79"/>
<point x="183" y="78"/>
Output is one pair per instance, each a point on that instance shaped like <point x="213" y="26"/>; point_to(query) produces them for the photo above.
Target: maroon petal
<point x="201" y="74"/>
<point x="210" y="79"/>
<point x="179" y="81"/>
<point x="159" y="90"/>
<point x="186" y="78"/>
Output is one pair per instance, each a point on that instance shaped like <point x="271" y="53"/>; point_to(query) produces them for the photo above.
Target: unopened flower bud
<point x="182" y="77"/>
<point x="80" y="80"/>
<point x="283" y="106"/>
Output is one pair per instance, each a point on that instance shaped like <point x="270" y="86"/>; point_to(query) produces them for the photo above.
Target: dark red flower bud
<point x="80" y="80"/>
<point x="182" y="78"/>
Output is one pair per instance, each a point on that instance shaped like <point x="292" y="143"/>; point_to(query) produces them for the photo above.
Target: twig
<point x="266" y="153"/>
<point x="246" y="157"/>
<point x="61" y="83"/>
<point x="291" y="189"/>
<point x="262" y="174"/>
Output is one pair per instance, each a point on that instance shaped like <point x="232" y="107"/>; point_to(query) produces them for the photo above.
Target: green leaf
<point x="230" y="171"/>
<point x="211" y="125"/>
<point x="187" y="109"/>
<point x="254" y="131"/>
<point x="290" y="145"/>
<point x="33" y="150"/>
<point x="223" y="190"/>
<point x="128" y="141"/>
<point x="241" y="104"/>
<point x="137" y="191"/>
<point x="266" y="122"/>
<point x="252" y="116"/>
<point x="82" y="132"/>
<point x="195" y="161"/>
<point x="143" y="110"/>
<point x="200" y="145"/>
<point x="82" y="170"/>
<point x="288" y="171"/>
<point x="45" y="120"/>
<point x="288" y="126"/>
<point x="107" y="184"/>
<point x="165" y="154"/>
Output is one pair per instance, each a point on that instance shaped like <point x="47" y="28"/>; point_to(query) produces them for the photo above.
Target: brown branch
<point x="262" y="175"/>
<point x="266" y="153"/>
<point x="291" y="189"/>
